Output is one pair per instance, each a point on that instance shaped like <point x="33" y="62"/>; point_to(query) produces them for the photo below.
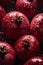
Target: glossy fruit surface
<point x="36" y="27"/>
<point x="35" y="61"/>
<point x="26" y="47"/>
<point x="7" y="54"/>
<point x="15" y="24"/>
<point x="28" y="7"/>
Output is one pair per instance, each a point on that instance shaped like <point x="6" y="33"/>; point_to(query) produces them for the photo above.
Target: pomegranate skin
<point x="26" y="47"/>
<point x="36" y="27"/>
<point x="15" y="24"/>
<point x="2" y="13"/>
<point x="34" y="61"/>
<point x="7" y="54"/>
<point x="5" y="2"/>
<point x="28" y="7"/>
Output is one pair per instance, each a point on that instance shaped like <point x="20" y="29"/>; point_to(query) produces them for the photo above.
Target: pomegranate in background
<point x="28" y="7"/>
<point x="2" y="13"/>
<point x="36" y="27"/>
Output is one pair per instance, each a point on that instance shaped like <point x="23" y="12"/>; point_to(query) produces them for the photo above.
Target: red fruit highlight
<point x="34" y="61"/>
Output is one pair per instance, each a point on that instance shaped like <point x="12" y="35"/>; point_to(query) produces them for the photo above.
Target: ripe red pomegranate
<point x="36" y="27"/>
<point x="26" y="47"/>
<point x="28" y="7"/>
<point x="15" y="24"/>
<point x="2" y="13"/>
<point x="5" y="2"/>
<point x="7" y="54"/>
<point x="34" y="61"/>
